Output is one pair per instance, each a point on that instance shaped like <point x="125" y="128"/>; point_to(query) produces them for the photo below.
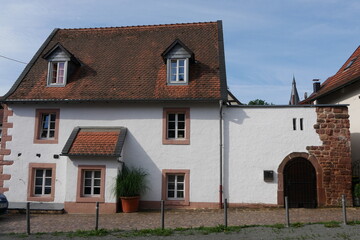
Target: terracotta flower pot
<point x="130" y="204"/>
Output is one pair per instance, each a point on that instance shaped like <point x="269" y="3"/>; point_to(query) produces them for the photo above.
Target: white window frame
<point x="49" y="129"/>
<point x="43" y="181"/>
<point x="50" y="74"/>
<point x="176" y="122"/>
<point x="177" y="74"/>
<point x="92" y="185"/>
<point x="175" y="190"/>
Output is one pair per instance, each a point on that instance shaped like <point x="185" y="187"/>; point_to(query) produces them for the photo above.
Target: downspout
<point x="221" y="155"/>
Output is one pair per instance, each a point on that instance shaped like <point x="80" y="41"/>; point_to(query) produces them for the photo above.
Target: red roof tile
<point x="346" y="75"/>
<point x="125" y="63"/>
<point x="95" y="142"/>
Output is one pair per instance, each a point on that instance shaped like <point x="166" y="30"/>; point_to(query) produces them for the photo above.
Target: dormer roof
<point x="175" y="47"/>
<point x="58" y="48"/>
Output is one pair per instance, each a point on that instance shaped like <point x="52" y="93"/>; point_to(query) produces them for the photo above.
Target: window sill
<point x="46" y="141"/>
<point x="176" y="141"/>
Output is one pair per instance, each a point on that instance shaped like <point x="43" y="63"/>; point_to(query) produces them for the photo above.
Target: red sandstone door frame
<point x="319" y="177"/>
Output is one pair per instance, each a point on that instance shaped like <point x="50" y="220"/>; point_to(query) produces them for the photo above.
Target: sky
<point x="266" y="42"/>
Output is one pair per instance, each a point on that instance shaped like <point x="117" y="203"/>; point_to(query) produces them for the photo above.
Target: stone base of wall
<point x="89" y="208"/>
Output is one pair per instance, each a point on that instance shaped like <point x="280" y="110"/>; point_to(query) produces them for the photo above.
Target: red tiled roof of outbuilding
<point x="95" y="141"/>
<point x="345" y="76"/>
<point x="125" y="64"/>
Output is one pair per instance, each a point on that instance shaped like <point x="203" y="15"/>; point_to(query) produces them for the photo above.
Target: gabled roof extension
<point x="95" y="141"/>
<point x="345" y="76"/>
<point x="125" y="64"/>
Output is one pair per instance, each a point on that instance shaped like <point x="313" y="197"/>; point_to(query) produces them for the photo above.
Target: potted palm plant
<point x="130" y="183"/>
<point x="357" y="195"/>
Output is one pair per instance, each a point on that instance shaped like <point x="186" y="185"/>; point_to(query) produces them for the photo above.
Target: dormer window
<point x="178" y="72"/>
<point x="57" y="73"/>
<point x="61" y="63"/>
<point x="177" y="57"/>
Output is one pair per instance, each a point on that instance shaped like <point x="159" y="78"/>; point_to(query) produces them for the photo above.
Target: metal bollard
<point x="28" y="218"/>
<point x="97" y="216"/>
<point x="162" y="215"/>
<point x="225" y="213"/>
<point x="343" y="201"/>
<point x="287" y="215"/>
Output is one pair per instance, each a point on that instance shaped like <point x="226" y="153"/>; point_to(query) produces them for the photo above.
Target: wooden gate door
<point x="300" y="183"/>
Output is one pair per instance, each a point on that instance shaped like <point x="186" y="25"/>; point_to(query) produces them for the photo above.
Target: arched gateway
<point x="300" y="179"/>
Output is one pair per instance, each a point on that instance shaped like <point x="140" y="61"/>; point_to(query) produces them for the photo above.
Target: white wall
<point x="258" y="139"/>
<point x="143" y="147"/>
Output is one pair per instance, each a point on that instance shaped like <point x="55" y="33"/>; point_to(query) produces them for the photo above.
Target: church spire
<point x="294" y="98"/>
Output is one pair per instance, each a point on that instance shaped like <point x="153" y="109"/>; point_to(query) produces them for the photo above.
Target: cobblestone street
<point x="16" y="223"/>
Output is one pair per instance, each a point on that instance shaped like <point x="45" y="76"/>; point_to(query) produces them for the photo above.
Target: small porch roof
<point x="95" y="141"/>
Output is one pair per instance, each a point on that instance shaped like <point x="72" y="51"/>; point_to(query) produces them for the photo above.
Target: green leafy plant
<point x="130" y="182"/>
<point x="357" y="190"/>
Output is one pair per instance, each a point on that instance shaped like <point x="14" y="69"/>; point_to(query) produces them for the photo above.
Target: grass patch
<point x="297" y="225"/>
<point x="332" y="224"/>
<point x="352" y="223"/>
<point x="277" y="226"/>
<point x="90" y="233"/>
<point x="147" y="232"/>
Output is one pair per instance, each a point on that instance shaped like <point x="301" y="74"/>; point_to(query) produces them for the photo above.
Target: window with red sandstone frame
<point x="46" y="126"/>
<point x="176" y="126"/>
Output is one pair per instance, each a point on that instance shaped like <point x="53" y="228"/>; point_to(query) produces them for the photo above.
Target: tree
<point x="259" y="102"/>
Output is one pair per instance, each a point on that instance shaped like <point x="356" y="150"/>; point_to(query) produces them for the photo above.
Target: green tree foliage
<point x="259" y="102"/>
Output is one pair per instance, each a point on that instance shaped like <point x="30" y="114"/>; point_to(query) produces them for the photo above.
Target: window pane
<point x="171" y="186"/>
<point x="39" y="173"/>
<point x="38" y="190"/>
<point x="171" y="194"/>
<point x="171" y="117"/>
<point x="181" y="134"/>
<point x="87" y="182"/>
<point x="96" y="190"/>
<point x="87" y="190"/>
<point x="51" y="134"/>
<point x="38" y="181"/>
<point x="97" y="174"/>
<point x="181" y="62"/>
<point x="173" y="63"/>
<point x="88" y="174"/>
<point x="44" y="134"/>
<point x="171" y="134"/>
<point x="97" y="182"/>
<point x="180" y="186"/>
<point x="47" y="190"/>
<point x="181" y="125"/>
<point x="180" y="178"/>
<point x="171" y="125"/>
<point x="181" y="117"/>
<point x="53" y="117"/>
<point x="171" y="178"/>
<point x="47" y="181"/>
<point x="48" y="173"/>
<point x="181" y="70"/>
<point x="180" y="194"/>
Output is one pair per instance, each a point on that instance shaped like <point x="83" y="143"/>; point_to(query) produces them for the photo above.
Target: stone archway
<point x="319" y="177"/>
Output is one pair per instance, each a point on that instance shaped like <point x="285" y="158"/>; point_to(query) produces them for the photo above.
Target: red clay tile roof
<point x="95" y="141"/>
<point x="125" y="64"/>
<point x="345" y="76"/>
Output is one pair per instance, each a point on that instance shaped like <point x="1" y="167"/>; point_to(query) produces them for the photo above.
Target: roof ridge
<point x="140" y="26"/>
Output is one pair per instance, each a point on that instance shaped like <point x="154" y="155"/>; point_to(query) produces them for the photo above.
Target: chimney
<point x="305" y="95"/>
<point x="316" y="85"/>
